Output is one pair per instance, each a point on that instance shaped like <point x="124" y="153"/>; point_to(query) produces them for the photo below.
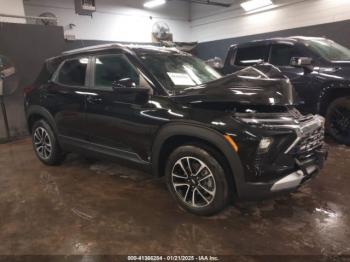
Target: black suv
<point x="318" y="68"/>
<point x="213" y="138"/>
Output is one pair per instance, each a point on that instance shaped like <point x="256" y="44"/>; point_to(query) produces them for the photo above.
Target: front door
<point x="114" y="119"/>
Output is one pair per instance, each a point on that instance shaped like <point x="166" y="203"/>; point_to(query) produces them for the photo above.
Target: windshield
<point x="329" y="50"/>
<point x="177" y="72"/>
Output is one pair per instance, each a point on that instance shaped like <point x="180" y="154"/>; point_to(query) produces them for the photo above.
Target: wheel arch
<point x="35" y="113"/>
<point x="330" y="92"/>
<point x="173" y="135"/>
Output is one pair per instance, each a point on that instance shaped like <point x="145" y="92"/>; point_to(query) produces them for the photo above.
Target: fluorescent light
<point x="262" y="9"/>
<point x="154" y="3"/>
<point x="255" y="4"/>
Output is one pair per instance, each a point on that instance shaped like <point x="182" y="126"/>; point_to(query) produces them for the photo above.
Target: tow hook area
<point x="306" y="170"/>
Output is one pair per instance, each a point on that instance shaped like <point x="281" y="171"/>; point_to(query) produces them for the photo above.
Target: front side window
<point x="177" y="71"/>
<point x="114" y="68"/>
<point x="282" y="54"/>
<point x="73" y="72"/>
<point x="251" y="55"/>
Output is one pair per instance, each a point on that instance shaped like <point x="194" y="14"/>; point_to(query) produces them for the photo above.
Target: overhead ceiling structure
<point x="155" y="3"/>
<point x="209" y="2"/>
<point x="251" y="5"/>
<point x="248" y="6"/>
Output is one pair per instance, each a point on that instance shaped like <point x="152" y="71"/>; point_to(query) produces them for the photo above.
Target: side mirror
<point x="123" y="83"/>
<point x="215" y="63"/>
<point x="131" y="93"/>
<point x="304" y="62"/>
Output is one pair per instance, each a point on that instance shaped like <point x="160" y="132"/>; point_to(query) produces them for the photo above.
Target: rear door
<point x="243" y="56"/>
<point x="65" y="98"/>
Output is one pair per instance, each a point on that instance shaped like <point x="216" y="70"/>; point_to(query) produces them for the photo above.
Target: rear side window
<point x="281" y="54"/>
<point x="73" y="72"/>
<point x="251" y="55"/>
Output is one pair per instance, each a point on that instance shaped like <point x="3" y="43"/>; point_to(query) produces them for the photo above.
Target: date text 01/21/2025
<point x="173" y="258"/>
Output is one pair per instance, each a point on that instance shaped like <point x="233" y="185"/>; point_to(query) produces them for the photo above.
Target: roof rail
<point x="92" y="48"/>
<point x="120" y="46"/>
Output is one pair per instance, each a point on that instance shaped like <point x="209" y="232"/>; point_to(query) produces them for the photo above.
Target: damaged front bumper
<point x="308" y="169"/>
<point x="289" y="164"/>
<point x="290" y="182"/>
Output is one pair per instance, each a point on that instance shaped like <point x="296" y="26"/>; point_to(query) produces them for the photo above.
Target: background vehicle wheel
<point x="45" y="144"/>
<point x="338" y="120"/>
<point x="197" y="180"/>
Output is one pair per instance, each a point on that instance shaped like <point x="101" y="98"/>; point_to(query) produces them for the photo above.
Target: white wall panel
<point x="12" y="7"/>
<point x="123" y="20"/>
<point x="210" y="23"/>
<point x="127" y="20"/>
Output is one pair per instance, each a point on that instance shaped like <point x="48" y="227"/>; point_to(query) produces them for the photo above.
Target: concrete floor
<point x="104" y="208"/>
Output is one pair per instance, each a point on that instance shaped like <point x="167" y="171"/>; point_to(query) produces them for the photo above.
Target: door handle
<point x="94" y="99"/>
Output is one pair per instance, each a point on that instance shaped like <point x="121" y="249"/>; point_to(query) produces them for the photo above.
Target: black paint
<point x="114" y="123"/>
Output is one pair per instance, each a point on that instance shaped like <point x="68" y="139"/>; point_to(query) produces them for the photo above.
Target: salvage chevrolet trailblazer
<point x="215" y="139"/>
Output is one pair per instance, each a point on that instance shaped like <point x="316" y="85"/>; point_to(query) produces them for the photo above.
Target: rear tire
<point x="45" y="144"/>
<point x="338" y="120"/>
<point x="197" y="180"/>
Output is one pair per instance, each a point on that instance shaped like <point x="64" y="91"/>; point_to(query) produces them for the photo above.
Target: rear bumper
<point x="289" y="183"/>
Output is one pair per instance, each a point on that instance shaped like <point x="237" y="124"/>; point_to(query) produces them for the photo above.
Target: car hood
<point x="338" y="70"/>
<point x="258" y="85"/>
<point x="345" y="63"/>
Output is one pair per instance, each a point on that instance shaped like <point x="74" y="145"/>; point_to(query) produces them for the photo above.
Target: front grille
<point x="310" y="141"/>
<point x="306" y="118"/>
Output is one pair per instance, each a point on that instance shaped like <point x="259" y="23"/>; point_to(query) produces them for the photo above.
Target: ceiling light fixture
<point x="154" y="3"/>
<point x="255" y="4"/>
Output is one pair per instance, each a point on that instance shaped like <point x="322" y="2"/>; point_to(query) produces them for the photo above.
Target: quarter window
<point x="251" y="55"/>
<point x="73" y="72"/>
<point x="281" y="54"/>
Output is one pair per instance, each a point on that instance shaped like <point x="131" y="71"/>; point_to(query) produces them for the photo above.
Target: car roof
<point x="274" y="40"/>
<point x="136" y="48"/>
<point x="139" y="49"/>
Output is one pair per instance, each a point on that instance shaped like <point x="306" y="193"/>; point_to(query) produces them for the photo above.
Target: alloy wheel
<point x="193" y="182"/>
<point x="340" y="121"/>
<point x="42" y="143"/>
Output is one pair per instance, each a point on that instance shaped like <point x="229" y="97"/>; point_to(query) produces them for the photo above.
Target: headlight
<point x="265" y="144"/>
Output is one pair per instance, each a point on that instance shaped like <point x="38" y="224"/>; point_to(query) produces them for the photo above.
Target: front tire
<point x="45" y="144"/>
<point x="338" y="120"/>
<point x="197" y="180"/>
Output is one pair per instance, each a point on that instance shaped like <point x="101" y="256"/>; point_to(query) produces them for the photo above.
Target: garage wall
<point x="12" y="7"/>
<point x="122" y="20"/>
<point x="26" y="46"/>
<point x="213" y="23"/>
